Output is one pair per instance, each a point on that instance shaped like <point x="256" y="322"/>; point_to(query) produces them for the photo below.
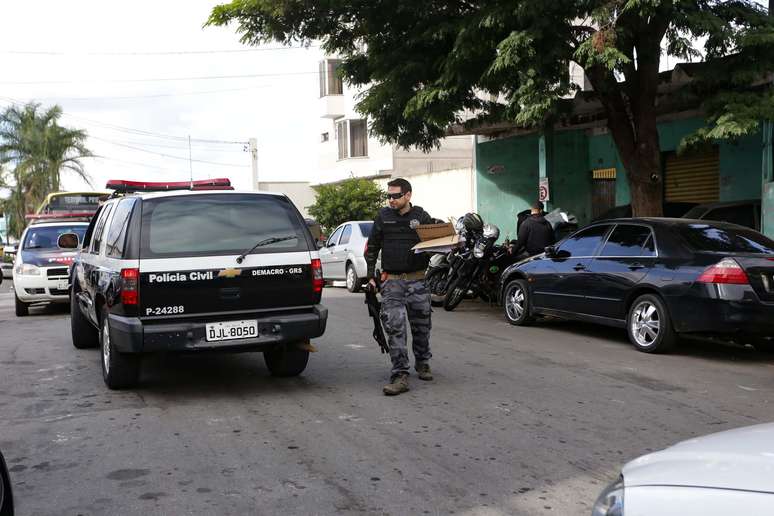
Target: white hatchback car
<point x="343" y="256"/>
<point x="720" y="474"/>
<point x="41" y="270"/>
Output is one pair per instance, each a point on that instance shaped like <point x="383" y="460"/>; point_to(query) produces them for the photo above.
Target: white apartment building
<point x="443" y="180"/>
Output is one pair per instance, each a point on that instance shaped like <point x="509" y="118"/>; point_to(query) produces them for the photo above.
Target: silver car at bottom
<point x="727" y="473"/>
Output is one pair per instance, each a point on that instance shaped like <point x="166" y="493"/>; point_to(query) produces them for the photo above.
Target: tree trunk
<point x="643" y="167"/>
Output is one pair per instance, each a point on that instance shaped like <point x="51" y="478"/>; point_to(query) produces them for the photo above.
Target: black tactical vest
<point x="398" y="239"/>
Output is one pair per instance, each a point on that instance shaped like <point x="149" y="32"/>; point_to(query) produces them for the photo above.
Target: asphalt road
<point x="525" y="421"/>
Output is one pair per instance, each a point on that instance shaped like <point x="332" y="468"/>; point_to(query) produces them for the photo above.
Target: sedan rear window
<point x="219" y="224"/>
<point x="707" y="237"/>
<point x="365" y="228"/>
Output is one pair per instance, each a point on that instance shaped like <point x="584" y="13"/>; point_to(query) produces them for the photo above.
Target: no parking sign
<point x="544" y="193"/>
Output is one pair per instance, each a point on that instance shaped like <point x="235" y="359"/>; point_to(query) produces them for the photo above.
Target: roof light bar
<point x="121" y="186"/>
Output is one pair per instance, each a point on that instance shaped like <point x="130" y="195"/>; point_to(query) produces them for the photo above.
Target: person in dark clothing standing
<point x="404" y="294"/>
<point x="535" y="233"/>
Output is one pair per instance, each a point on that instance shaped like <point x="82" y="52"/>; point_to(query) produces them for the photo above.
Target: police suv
<point x="204" y="269"/>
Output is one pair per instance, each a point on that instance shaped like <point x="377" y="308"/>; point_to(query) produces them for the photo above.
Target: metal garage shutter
<point x="693" y="178"/>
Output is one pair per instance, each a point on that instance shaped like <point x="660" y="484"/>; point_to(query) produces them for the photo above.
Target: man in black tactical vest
<point x="404" y="294"/>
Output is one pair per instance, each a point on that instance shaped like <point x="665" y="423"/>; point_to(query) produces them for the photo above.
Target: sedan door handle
<point x="636" y="266"/>
<point x="579" y="267"/>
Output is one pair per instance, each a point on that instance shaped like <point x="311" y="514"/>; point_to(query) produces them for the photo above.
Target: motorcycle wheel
<point x="454" y="296"/>
<point x="435" y="281"/>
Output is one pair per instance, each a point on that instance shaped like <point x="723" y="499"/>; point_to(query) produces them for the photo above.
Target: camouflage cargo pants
<point x="401" y="300"/>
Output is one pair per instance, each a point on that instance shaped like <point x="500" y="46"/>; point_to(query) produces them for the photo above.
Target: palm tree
<point x="40" y="150"/>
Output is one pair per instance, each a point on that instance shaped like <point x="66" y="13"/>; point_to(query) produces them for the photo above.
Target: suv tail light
<point x="317" y="275"/>
<point x="130" y="279"/>
<point x="727" y="272"/>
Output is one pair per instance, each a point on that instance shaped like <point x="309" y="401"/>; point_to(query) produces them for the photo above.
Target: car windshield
<point x="47" y="237"/>
<point x="219" y="224"/>
<point x="707" y="237"/>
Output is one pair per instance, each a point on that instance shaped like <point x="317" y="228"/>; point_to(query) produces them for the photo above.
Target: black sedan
<point x="658" y="278"/>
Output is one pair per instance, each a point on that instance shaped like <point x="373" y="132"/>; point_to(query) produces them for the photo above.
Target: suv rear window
<point x="706" y="237"/>
<point x="219" y="224"/>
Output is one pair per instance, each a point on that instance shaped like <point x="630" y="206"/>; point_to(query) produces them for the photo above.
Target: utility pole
<point x="254" y="157"/>
<point x="190" y="160"/>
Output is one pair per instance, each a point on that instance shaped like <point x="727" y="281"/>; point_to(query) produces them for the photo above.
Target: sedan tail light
<point x="727" y="272"/>
<point x="130" y="294"/>
<point x="317" y="276"/>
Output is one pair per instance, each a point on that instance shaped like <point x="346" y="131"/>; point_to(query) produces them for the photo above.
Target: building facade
<point x="443" y="179"/>
<point x="585" y="176"/>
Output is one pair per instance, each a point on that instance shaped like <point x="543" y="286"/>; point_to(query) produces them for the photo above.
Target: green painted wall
<point x="576" y="153"/>
<point x="507" y="192"/>
<point x="740" y="169"/>
<point x="570" y="180"/>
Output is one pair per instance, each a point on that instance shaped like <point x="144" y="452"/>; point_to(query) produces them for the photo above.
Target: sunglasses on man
<point x="395" y="196"/>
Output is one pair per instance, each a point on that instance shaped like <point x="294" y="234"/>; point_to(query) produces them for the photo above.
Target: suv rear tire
<point x="119" y="370"/>
<point x="284" y="362"/>
<point x="22" y="308"/>
<point x="83" y="333"/>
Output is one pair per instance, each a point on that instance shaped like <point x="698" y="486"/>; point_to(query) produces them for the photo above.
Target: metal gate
<point x="692" y="177"/>
<point x="602" y="191"/>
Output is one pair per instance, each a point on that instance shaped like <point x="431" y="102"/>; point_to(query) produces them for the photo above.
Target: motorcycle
<point x="443" y="266"/>
<point x="478" y="269"/>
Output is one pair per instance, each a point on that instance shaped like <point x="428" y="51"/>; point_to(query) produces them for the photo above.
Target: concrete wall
<point x="455" y="153"/>
<point x="444" y="194"/>
<point x="507" y="180"/>
<point x="301" y="193"/>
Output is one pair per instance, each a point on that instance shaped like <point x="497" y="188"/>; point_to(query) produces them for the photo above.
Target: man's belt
<point x="416" y="275"/>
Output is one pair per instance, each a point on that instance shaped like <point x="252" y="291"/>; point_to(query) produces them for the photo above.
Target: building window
<point x="352" y="136"/>
<point x="358" y="138"/>
<point x="324" y="137"/>
<point x="330" y="82"/>
<point x="341" y="136"/>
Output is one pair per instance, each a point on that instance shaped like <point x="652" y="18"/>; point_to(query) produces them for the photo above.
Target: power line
<point x="129" y="130"/>
<point x="161" y="53"/>
<point x="178" y="147"/>
<point x="171" y="156"/>
<point x="161" y="79"/>
<point x="157" y="95"/>
<point x="135" y="163"/>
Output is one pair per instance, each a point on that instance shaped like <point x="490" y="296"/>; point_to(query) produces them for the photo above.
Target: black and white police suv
<point x="204" y="269"/>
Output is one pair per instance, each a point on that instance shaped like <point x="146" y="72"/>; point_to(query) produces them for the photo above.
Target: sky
<point x="111" y="65"/>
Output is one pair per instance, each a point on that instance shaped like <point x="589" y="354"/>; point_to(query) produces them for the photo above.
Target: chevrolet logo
<point x="229" y="273"/>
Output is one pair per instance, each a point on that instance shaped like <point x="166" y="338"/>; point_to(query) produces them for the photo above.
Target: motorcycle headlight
<point x="491" y="231"/>
<point x="611" y="501"/>
<point x="27" y="269"/>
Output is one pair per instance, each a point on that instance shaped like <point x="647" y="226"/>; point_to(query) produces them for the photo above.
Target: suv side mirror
<point x="551" y="251"/>
<point x="67" y="241"/>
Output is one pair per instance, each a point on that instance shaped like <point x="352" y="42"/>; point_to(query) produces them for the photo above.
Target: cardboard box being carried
<point x="433" y="231"/>
<point x="438" y="245"/>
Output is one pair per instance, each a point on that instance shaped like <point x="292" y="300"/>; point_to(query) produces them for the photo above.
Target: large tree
<point x="424" y="64"/>
<point x="38" y="150"/>
<point x="351" y="199"/>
